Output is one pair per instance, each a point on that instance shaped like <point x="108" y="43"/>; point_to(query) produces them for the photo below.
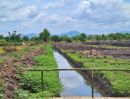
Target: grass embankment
<point x="1" y="60"/>
<point x="31" y="81"/>
<point x="120" y="81"/>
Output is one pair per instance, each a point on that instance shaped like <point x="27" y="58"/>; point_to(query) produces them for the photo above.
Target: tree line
<point x="46" y="36"/>
<point x="82" y="37"/>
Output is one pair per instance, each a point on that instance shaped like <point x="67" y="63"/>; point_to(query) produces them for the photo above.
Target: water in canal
<point x="73" y="83"/>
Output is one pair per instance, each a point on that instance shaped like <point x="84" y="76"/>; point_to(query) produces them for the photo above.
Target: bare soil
<point x="117" y="53"/>
<point x="112" y="43"/>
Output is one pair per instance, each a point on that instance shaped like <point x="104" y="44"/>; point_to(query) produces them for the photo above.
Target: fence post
<point x="42" y="80"/>
<point x="92" y="84"/>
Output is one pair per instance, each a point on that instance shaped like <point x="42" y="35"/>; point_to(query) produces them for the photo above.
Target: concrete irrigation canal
<point x="73" y="82"/>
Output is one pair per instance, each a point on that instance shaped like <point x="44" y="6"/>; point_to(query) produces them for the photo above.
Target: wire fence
<point x="77" y="69"/>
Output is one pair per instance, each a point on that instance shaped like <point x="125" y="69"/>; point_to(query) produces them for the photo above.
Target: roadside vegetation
<point x="31" y="81"/>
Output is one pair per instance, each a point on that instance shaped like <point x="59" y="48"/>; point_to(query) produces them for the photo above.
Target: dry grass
<point x="2" y="51"/>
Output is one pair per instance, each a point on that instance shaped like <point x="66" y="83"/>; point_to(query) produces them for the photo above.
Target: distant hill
<point x="71" y="33"/>
<point x="21" y="35"/>
<point x="31" y="35"/>
<point x="125" y="32"/>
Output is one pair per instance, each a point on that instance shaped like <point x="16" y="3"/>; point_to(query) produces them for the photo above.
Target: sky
<point x="59" y="16"/>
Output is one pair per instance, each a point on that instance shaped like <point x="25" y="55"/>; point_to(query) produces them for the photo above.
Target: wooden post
<point x="92" y="85"/>
<point x="42" y="80"/>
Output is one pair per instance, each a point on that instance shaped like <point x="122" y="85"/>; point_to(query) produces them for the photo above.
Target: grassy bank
<point x="119" y="81"/>
<point x="31" y="81"/>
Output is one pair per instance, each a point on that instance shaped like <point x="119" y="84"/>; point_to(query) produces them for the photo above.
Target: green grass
<point x="1" y="60"/>
<point x="120" y="81"/>
<point x="31" y="81"/>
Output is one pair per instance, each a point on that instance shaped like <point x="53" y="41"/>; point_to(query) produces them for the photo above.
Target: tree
<point x="3" y="42"/>
<point x="14" y="37"/>
<point x="25" y="38"/>
<point x="55" y="38"/>
<point x="66" y="38"/>
<point x="45" y="35"/>
<point x="98" y="37"/>
<point x="103" y="37"/>
<point x="1" y="37"/>
<point x="35" y="39"/>
<point x="82" y="37"/>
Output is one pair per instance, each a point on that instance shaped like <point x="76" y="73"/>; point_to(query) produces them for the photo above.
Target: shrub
<point x="3" y="42"/>
<point x="10" y="49"/>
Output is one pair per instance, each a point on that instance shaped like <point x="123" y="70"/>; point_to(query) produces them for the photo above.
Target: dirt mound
<point x="112" y="43"/>
<point x="88" y="50"/>
<point x="90" y="53"/>
<point x="29" y="58"/>
<point x="10" y="80"/>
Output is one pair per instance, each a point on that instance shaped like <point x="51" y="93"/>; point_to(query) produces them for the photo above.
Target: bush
<point x="3" y="42"/>
<point x="9" y="49"/>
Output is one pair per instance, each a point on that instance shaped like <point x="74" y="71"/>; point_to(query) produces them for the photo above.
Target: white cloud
<point x="11" y="12"/>
<point x="103" y="11"/>
<point x="26" y="12"/>
<point x="57" y="4"/>
<point x="82" y="15"/>
<point x="89" y="13"/>
<point x="58" y="19"/>
<point x="7" y="4"/>
<point x="6" y="8"/>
